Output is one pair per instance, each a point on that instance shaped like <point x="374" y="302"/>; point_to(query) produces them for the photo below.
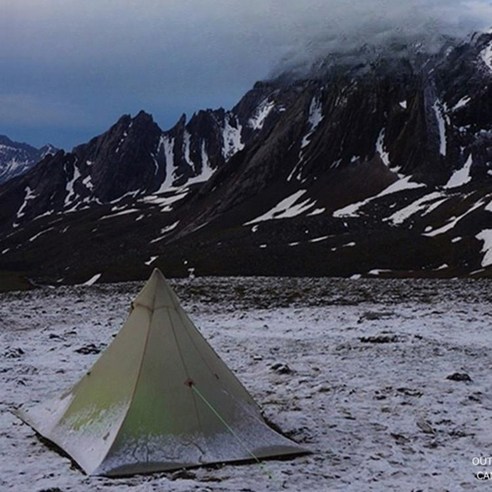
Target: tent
<point x="159" y="398"/>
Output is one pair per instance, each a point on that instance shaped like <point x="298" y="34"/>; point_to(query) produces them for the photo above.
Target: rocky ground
<point x="388" y="382"/>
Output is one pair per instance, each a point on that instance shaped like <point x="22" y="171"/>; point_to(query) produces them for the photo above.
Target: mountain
<point x="374" y="163"/>
<point x="17" y="158"/>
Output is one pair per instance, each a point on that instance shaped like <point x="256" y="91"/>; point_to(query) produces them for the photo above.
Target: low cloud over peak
<point x="106" y="57"/>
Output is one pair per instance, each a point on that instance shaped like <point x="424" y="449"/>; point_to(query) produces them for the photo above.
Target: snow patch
<point x="461" y="176"/>
<point x="92" y="280"/>
<point x="187" y="149"/>
<point x="70" y="192"/>
<point x="231" y="137"/>
<point x="33" y="238"/>
<point x="318" y="239"/>
<point x="286" y="209"/>
<point x="206" y="171"/>
<point x="380" y="149"/>
<point x="399" y="185"/>
<point x="378" y="271"/>
<point x="318" y="211"/>
<point x="166" y="202"/>
<point x="486" y="237"/>
<point x="168" y="145"/>
<point x="314" y="119"/>
<point x="152" y="259"/>
<point x="453" y="221"/>
<point x="261" y="114"/>
<point x="165" y="231"/>
<point x="434" y="206"/>
<point x="486" y="56"/>
<point x="120" y="143"/>
<point x="29" y="195"/>
<point x="403" y="104"/>
<point x="439" y="111"/>
<point x="87" y="182"/>
<point x="461" y="103"/>
<point x="117" y="214"/>
<point x="405" y="213"/>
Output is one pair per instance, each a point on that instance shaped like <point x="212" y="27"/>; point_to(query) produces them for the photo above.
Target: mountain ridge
<point x="383" y="168"/>
<point x="16" y="158"/>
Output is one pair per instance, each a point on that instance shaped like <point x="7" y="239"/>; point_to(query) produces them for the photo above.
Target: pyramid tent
<point x="159" y="398"/>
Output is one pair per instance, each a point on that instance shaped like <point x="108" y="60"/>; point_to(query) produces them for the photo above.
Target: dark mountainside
<point x="370" y="164"/>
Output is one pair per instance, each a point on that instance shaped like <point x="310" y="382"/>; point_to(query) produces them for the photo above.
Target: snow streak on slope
<point x="29" y="195"/>
<point x="206" y="171"/>
<point x="380" y="149"/>
<point x="187" y="149"/>
<point x="415" y="207"/>
<point x="453" y="221"/>
<point x="461" y="176"/>
<point x="287" y="208"/>
<point x="92" y="280"/>
<point x="262" y="112"/>
<point x="168" y="144"/>
<point x="121" y="142"/>
<point x="438" y="109"/>
<point x="118" y="214"/>
<point x="399" y="185"/>
<point x="231" y="136"/>
<point x="164" y="232"/>
<point x="167" y="202"/>
<point x="314" y="119"/>
<point x="486" y="237"/>
<point x="87" y="182"/>
<point x="71" y="195"/>
<point x="486" y="56"/>
<point x="461" y="103"/>
<point x="33" y="238"/>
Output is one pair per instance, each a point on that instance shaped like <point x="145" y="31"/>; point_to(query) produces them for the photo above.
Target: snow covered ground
<point x="356" y="370"/>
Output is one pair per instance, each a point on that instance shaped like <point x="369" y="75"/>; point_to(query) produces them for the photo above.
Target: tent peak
<point x="157" y="273"/>
<point x="156" y="293"/>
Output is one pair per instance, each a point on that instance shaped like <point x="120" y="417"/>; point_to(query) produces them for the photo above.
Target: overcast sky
<point x="70" y="68"/>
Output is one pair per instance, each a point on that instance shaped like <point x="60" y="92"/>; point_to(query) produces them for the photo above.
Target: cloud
<point x="428" y="24"/>
<point x="31" y="110"/>
<point x="108" y="57"/>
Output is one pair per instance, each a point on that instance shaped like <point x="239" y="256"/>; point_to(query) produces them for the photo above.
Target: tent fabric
<point x="159" y="398"/>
